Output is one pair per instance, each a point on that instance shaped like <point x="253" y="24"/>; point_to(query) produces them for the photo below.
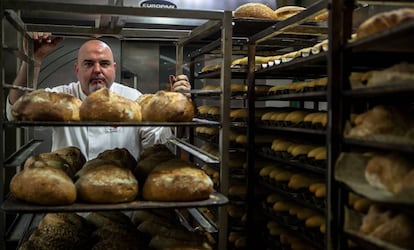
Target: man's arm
<point x="43" y="45"/>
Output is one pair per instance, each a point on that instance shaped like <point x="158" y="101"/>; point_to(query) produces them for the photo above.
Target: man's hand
<point x="180" y="83"/>
<point x="43" y="44"/>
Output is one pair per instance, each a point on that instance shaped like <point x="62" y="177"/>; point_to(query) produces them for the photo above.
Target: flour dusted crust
<point x="287" y="11"/>
<point x="46" y="178"/>
<point x="104" y="105"/>
<point x="42" y="105"/>
<point x="384" y="20"/>
<point x="166" y="106"/>
<point x="43" y="185"/>
<point x="255" y="10"/>
<point x="107" y="183"/>
<point x="177" y="180"/>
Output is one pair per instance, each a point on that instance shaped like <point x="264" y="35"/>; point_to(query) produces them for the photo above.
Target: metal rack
<point x="126" y="23"/>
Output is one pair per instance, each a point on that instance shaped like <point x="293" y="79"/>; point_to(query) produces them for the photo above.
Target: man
<point x="95" y="68"/>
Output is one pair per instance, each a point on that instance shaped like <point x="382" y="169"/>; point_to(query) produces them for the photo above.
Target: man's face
<point x="95" y="67"/>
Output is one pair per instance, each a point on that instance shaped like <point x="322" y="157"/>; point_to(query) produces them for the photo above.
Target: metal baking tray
<point x="11" y="204"/>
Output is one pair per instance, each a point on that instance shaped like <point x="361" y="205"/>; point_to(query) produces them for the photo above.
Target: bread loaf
<point x="287" y="11"/>
<point x="46" y="178"/>
<point x="59" y="231"/>
<point x="44" y="185"/>
<point x="42" y="105"/>
<point x="388" y="172"/>
<point x="177" y="180"/>
<point x="384" y="224"/>
<point x="149" y="159"/>
<point x="254" y="10"/>
<point x="104" y="105"/>
<point x="382" y="120"/>
<point x="106" y="182"/>
<point x="165" y="106"/>
<point x="384" y="20"/>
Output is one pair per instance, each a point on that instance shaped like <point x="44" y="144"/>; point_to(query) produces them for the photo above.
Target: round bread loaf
<point x="287" y="11"/>
<point x="384" y="20"/>
<point x="121" y="156"/>
<point x="73" y="156"/>
<point x="166" y="106"/>
<point x="255" y="10"/>
<point x="177" y="180"/>
<point x="44" y="185"/>
<point x="106" y="182"/>
<point x="42" y="105"/>
<point x="104" y="105"/>
<point x="150" y="158"/>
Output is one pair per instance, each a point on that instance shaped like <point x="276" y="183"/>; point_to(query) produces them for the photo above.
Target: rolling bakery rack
<point x="123" y="22"/>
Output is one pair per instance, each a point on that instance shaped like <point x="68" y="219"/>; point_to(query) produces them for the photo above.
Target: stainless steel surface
<point x="193" y="150"/>
<point x="11" y="204"/>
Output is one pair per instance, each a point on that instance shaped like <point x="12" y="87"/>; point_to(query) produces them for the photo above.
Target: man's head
<point x="95" y="67"/>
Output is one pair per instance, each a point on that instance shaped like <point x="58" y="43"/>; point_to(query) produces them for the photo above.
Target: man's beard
<point x="96" y="86"/>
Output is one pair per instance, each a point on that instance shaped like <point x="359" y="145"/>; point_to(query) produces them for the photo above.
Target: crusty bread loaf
<point x="382" y="120"/>
<point x="106" y="182"/>
<point x="166" y="106"/>
<point x="255" y="10"/>
<point x="384" y="224"/>
<point x="287" y="11"/>
<point x="46" y="178"/>
<point x="388" y="172"/>
<point x="44" y="185"/>
<point x="41" y="105"/>
<point x="59" y="231"/>
<point x="384" y="20"/>
<point x="104" y="105"/>
<point x="177" y="180"/>
<point x="121" y="156"/>
<point x="149" y="159"/>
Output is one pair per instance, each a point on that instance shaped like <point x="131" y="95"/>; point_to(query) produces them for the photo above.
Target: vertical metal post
<point x="2" y="135"/>
<point x="225" y="79"/>
<point x="251" y="183"/>
<point x="339" y="31"/>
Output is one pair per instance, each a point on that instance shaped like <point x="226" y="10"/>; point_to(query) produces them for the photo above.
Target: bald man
<point x="95" y="68"/>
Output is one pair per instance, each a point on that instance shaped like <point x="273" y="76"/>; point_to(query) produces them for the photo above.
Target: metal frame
<point x="110" y="23"/>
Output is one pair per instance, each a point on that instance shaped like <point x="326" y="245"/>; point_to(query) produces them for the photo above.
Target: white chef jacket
<point x="95" y="139"/>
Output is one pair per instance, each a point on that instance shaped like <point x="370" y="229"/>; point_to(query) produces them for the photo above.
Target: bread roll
<point x="42" y="105"/>
<point x="106" y="182"/>
<point x="177" y="180"/>
<point x="104" y="105"/>
<point x="384" y="20"/>
<point x="287" y="11"/>
<point x="255" y="10"/>
<point x="165" y="106"/>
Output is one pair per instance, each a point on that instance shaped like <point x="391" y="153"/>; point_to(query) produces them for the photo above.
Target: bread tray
<point x="11" y="204"/>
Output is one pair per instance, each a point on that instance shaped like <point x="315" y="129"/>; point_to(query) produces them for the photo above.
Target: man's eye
<point x="87" y="64"/>
<point x="105" y="64"/>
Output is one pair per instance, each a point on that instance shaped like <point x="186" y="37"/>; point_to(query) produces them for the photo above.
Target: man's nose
<point x="97" y="68"/>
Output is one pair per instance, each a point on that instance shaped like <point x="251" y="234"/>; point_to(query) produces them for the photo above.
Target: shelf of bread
<point x="386" y="125"/>
<point x="379" y="176"/>
<point x="386" y="31"/>
<point x="379" y="228"/>
<point x="278" y="236"/>
<point x="305" y="223"/>
<point x="195" y="151"/>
